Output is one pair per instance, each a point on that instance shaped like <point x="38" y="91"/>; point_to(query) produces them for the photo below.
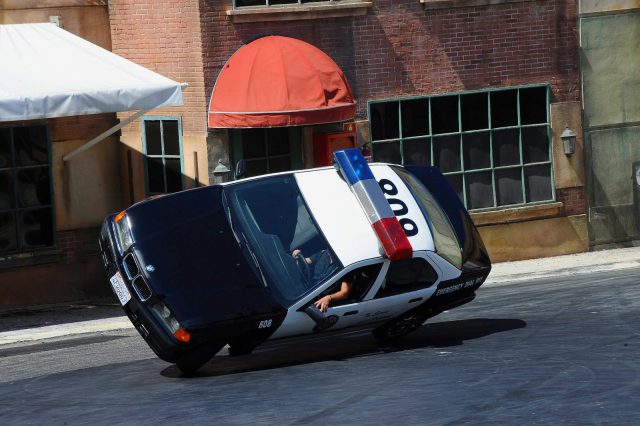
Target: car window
<point x="272" y="220"/>
<point x="361" y="279"/>
<point x="407" y="275"/>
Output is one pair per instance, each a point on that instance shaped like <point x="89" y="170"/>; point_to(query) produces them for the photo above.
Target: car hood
<point x="198" y="267"/>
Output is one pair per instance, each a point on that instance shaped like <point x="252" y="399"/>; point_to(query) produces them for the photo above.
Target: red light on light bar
<point x="119" y="217"/>
<point x="395" y="243"/>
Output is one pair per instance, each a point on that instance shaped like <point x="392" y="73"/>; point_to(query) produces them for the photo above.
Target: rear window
<point x="444" y="236"/>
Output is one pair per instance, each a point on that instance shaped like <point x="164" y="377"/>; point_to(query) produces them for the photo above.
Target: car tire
<point x="192" y="360"/>
<point x="400" y="326"/>
<point x="241" y="347"/>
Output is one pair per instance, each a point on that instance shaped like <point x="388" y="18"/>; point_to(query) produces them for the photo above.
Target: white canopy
<point x="47" y="72"/>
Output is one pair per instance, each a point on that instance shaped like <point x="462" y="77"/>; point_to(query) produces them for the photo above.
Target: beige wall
<point x="568" y="170"/>
<point x="87" y="187"/>
<point x="536" y="238"/>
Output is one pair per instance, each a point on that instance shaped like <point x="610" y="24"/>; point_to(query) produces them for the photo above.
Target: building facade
<point x="50" y="211"/>
<point x="481" y="89"/>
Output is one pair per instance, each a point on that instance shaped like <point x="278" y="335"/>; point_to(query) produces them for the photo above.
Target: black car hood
<point x="198" y="267"/>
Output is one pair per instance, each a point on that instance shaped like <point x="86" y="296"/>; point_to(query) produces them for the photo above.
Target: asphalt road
<point x="552" y="351"/>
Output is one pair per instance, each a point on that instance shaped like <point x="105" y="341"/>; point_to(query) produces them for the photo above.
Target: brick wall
<point x="573" y="200"/>
<point x="401" y="49"/>
<point x="79" y="244"/>
<point x="164" y="36"/>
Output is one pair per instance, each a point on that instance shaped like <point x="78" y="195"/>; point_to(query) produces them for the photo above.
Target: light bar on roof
<point x="357" y="173"/>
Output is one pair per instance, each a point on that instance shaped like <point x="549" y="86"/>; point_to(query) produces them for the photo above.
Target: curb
<point x="60" y="330"/>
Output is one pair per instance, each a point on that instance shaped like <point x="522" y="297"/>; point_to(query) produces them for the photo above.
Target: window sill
<point x="30" y="258"/>
<point x="446" y="4"/>
<point x="518" y="214"/>
<point x="290" y="12"/>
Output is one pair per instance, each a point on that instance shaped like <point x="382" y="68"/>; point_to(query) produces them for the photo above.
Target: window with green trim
<point x="162" y="149"/>
<point x="26" y="205"/>
<point x="493" y="146"/>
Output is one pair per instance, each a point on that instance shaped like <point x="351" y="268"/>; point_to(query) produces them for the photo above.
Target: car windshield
<point x="271" y="218"/>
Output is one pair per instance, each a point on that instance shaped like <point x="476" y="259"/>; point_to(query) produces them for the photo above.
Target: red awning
<point x="280" y="81"/>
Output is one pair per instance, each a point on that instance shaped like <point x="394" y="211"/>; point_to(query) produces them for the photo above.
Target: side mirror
<point x="240" y="169"/>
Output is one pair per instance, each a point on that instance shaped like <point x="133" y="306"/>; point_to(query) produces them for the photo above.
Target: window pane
<point x="253" y="143"/>
<point x="533" y="105"/>
<point x="174" y="175"/>
<point x="8" y="234"/>
<point x="35" y="229"/>
<point x="407" y="275"/>
<point x="506" y="149"/>
<point x="384" y="121"/>
<point x="504" y="108"/>
<point x="278" y="141"/>
<point x="388" y="152"/>
<point x="280" y="164"/>
<point x="535" y="144"/>
<point x="479" y="190"/>
<point x="476" y="151"/>
<point x="417" y="151"/>
<point x="444" y="114"/>
<point x="475" y="114"/>
<point x="6" y="190"/>
<point x="456" y="183"/>
<point x="155" y="174"/>
<point x="509" y="186"/>
<point x="33" y="187"/>
<point x="31" y="145"/>
<point x="152" y="137"/>
<point x="446" y="153"/>
<point x="538" y="183"/>
<point x="5" y="148"/>
<point x="171" y="134"/>
<point x="415" y="117"/>
<point x="256" y="167"/>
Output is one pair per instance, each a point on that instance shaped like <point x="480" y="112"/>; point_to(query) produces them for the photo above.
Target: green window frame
<point x="253" y="3"/>
<point x="493" y="146"/>
<point x="162" y="150"/>
<point x="27" y="221"/>
<point x="267" y="150"/>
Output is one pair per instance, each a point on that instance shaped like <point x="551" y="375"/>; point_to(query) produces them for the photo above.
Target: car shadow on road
<point x="341" y="348"/>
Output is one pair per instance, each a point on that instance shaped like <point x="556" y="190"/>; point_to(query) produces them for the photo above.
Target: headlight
<point x="123" y="232"/>
<point x="171" y="322"/>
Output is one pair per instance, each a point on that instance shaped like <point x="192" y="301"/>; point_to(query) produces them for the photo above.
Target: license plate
<point x="120" y="288"/>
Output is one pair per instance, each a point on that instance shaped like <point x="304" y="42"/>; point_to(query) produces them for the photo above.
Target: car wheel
<point x="399" y="327"/>
<point x="192" y="360"/>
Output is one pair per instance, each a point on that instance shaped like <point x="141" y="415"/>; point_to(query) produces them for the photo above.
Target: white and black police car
<point x="211" y="266"/>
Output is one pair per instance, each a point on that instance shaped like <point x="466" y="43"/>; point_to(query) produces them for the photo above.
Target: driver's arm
<point x="324" y="302"/>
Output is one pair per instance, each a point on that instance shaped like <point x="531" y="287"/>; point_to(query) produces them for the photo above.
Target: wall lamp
<point x="221" y="172"/>
<point x="569" y="141"/>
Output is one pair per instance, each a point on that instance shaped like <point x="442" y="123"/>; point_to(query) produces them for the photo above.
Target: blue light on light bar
<point x="352" y="164"/>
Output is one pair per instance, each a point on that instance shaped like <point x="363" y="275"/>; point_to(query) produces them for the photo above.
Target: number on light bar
<point x="358" y="175"/>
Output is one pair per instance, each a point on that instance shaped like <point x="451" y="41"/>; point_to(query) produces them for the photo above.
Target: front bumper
<point x="164" y="345"/>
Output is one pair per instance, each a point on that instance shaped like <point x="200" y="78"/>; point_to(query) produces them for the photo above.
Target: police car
<point x="247" y="261"/>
